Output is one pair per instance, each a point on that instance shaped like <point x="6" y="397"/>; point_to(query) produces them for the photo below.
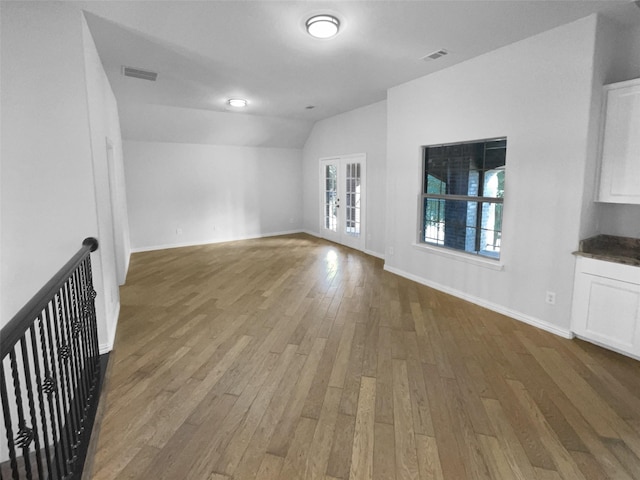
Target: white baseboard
<point x="212" y="241"/>
<point x="105" y="347"/>
<point x="368" y="252"/>
<point x="108" y="346"/>
<point x="374" y="254"/>
<point x="536" y="322"/>
<point x="126" y="265"/>
<point x="609" y="347"/>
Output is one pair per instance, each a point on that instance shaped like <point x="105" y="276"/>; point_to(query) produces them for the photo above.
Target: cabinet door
<point x="607" y="311"/>
<point x="620" y="168"/>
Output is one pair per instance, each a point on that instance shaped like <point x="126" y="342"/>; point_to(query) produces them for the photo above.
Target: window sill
<point x="460" y="257"/>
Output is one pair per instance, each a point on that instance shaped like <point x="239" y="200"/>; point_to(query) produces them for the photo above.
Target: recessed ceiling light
<point x="237" y="102"/>
<point x="323" y="26"/>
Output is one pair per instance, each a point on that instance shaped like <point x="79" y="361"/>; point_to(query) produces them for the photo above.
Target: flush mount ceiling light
<point x="323" y="26"/>
<point x="237" y="102"/>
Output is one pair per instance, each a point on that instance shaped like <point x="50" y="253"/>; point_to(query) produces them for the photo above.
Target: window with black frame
<point x="463" y="196"/>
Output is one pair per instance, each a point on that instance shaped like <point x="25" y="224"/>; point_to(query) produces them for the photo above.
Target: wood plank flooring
<point x="294" y="358"/>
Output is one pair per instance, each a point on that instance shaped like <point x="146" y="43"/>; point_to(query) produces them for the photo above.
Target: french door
<point x="342" y="189"/>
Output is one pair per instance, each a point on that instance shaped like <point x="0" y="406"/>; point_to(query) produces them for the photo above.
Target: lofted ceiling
<point x="208" y="51"/>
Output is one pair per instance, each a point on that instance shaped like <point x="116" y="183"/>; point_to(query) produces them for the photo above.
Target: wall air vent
<point x="138" y="73"/>
<point x="435" y="55"/>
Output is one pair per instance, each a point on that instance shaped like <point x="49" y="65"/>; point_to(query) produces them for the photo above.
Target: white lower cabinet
<point x="606" y="305"/>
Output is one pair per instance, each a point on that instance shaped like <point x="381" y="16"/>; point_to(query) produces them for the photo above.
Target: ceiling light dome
<point x="237" y="102"/>
<point x="323" y="26"/>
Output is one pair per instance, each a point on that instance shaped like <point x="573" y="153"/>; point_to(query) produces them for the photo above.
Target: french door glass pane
<point x="353" y="197"/>
<point x="330" y="198"/>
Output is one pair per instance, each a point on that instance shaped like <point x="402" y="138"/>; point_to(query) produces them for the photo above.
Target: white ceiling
<point x="207" y="51"/>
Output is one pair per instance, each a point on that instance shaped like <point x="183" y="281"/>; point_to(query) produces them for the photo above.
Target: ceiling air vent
<point x="138" y="73"/>
<point x="435" y="55"/>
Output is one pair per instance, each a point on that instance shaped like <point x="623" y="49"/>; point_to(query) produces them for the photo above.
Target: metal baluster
<point x="88" y="295"/>
<point x="72" y="366"/>
<point x="23" y="440"/>
<point x="65" y="451"/>
<point x="7" y="422"/>
<point x="91" y="295"/>
<point x="76" y="332"/>
<point x="79" y="335"/>
<point x="40" y="383"/>
<point x="58" y="356"/>
<point x="74" y="324"/>
<point x="75" y="417"/>
<point x="89" y="371"/>
<point x="65" y="328"/>
<point x="50" y="388"/>
<point x="63" y="355"/>
<point x="32" y="406"/>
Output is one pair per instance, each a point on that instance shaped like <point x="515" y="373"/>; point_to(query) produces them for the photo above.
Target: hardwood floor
<point x="293" y="358"/>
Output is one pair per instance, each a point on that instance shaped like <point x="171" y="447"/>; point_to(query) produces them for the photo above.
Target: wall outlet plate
<point x="550" y="298"/>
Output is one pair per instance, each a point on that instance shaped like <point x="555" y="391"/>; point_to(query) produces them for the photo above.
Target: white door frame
<point x="359" y="242"/>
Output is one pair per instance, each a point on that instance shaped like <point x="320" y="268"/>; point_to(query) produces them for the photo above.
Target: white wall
<point x="619" y="60"/>
<point x="212" y="193"/>
<point x="48" y="206"/>
<point x="113" y="225"/>
<point x="359" y="131"/>
<point x="603" y="60"/>
<point x="165" y="123"/>
<point x="537" y="93"/>
<point x="48" y="196"/>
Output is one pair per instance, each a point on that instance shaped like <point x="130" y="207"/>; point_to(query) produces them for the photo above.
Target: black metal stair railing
<point x="50" y="376"/>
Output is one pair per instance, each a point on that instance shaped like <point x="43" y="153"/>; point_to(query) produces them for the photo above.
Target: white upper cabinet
<point x="620" y="143"/>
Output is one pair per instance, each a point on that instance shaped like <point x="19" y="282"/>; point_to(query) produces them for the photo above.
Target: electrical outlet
<point x="550" y="298"/>
<point x="391" y="251"/>
<point x="178" y="231"/>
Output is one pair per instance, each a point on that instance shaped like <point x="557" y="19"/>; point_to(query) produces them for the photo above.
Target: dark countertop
<point x="612" y="249"/>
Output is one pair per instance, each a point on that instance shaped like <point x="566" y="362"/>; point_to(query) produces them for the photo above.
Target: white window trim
<point x="459" y="256"/>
